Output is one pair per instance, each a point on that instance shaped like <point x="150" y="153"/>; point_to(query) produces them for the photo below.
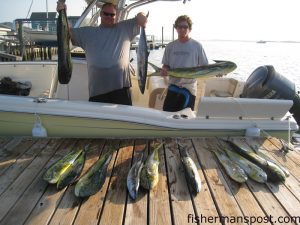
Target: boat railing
<point x="91" y="13"/>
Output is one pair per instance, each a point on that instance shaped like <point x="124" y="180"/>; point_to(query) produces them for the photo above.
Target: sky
<point x="271" y="20"/>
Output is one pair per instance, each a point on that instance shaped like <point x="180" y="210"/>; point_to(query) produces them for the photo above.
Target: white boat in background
<point x="261" y="42"/>
<point x="57" y="110"/>
<point x="39" y="35"/>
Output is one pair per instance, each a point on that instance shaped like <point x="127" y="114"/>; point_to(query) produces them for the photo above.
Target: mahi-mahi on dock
<point x="27" y="199"/>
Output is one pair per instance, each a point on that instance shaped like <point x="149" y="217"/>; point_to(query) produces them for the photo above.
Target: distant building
<point x="4" y="29"/>
<point x="9" y="25"/>
<point x="40" y="29"/>
<point x="41" y="22"/>
<point x="7" y="35"/>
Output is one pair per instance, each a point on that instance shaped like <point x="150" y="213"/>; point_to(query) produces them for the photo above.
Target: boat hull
<point x="79" y="119"/>
<point x="21" y="124"/>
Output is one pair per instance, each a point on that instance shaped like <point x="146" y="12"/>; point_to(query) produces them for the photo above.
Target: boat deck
<point x="27" y="199"/>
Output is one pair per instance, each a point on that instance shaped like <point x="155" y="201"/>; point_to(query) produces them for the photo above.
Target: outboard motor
<point x="265" y="82"/>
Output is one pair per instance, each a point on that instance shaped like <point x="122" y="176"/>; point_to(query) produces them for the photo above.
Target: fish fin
<point x="183" y="150"/>
<point x="153" y="74"/>
<point x="218" y="150"/>
<point x="208" y="148"/>
<point x="218" y="61"/>
<point x="87" y="147"/>
<point x="225" y="139"/>
<point x="156" y="68"/>
<point x="140" y="156"/>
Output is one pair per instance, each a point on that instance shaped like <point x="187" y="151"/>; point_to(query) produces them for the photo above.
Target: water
<point x="285" y="57"/>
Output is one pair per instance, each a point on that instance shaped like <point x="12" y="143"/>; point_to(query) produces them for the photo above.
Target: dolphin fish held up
<point x="142" y="60"/>
<point x="206" y="71"/>
<point x="64" y="66"/>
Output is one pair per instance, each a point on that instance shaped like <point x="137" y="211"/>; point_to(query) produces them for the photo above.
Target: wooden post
<point x="26" y="55"/>
<point x="162" y="36"/>
<point x="35" y="53"/>
<point x="173" y="28"/>
<point x="20" y="36"/>
<point x="32" y="57"/>
<point x="41" y="53"/>
<point x="45" y="53"/>
<point x="49" y="53"/>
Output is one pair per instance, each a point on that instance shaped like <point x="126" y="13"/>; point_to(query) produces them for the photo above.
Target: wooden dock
<point x="27" y="199"/>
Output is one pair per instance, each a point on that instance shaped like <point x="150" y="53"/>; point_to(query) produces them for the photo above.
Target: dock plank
<point x="179" y="192"/>
<point x="16" y="189"/>
<point x="8" y="147"/>
<point x="203" y="202"/>
<point x="90" y="207"/>
<point x="46" y="206"/>
<point x="136" y="210"/>
<point x="268" y="148"/>
<point x="117" y="190"/>
<point x="159" y="205"/>
<point x="277" y="199"/>
<point x="286" y="199"/>
<point x="245" y="198"/>
<point x="27" y="199"/>
<point x="15" y="166"/>
<point x="4" y="141"/>
<point x="268" y="201"/>
<point x="25" y="204"/>
<point x="284" y="159"/>
<point x="68" y="207"/>
<point x="293" y="155"/>
<point x="225" y="202"/>
<point x="98" y="200"/>
<point x="11" y="153"/>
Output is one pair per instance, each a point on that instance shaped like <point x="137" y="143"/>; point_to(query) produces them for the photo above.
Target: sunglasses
<point x="108" y="14"/>
<point x="182" y="27"/>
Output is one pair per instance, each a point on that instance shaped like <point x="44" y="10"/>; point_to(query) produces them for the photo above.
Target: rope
<point x="161" y="97"/>
<point x="68" y="91"/>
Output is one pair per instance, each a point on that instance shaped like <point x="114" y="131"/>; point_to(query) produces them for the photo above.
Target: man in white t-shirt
<point x="183" y="52"/>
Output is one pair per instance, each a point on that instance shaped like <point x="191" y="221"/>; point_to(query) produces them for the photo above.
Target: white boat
<point x="57" y="110"/>
<point x="39" y="35"/>
<point x="261" y="42"/>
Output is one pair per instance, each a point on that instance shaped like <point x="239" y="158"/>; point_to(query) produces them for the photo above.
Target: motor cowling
<point x="265" y="82"/>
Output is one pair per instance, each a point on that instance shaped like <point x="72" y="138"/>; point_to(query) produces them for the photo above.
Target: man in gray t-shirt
<point x="183" y="52"/>
<point x="107" y="49"/>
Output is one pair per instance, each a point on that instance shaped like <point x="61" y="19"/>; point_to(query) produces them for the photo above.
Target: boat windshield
<point x="91" y="16"/>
